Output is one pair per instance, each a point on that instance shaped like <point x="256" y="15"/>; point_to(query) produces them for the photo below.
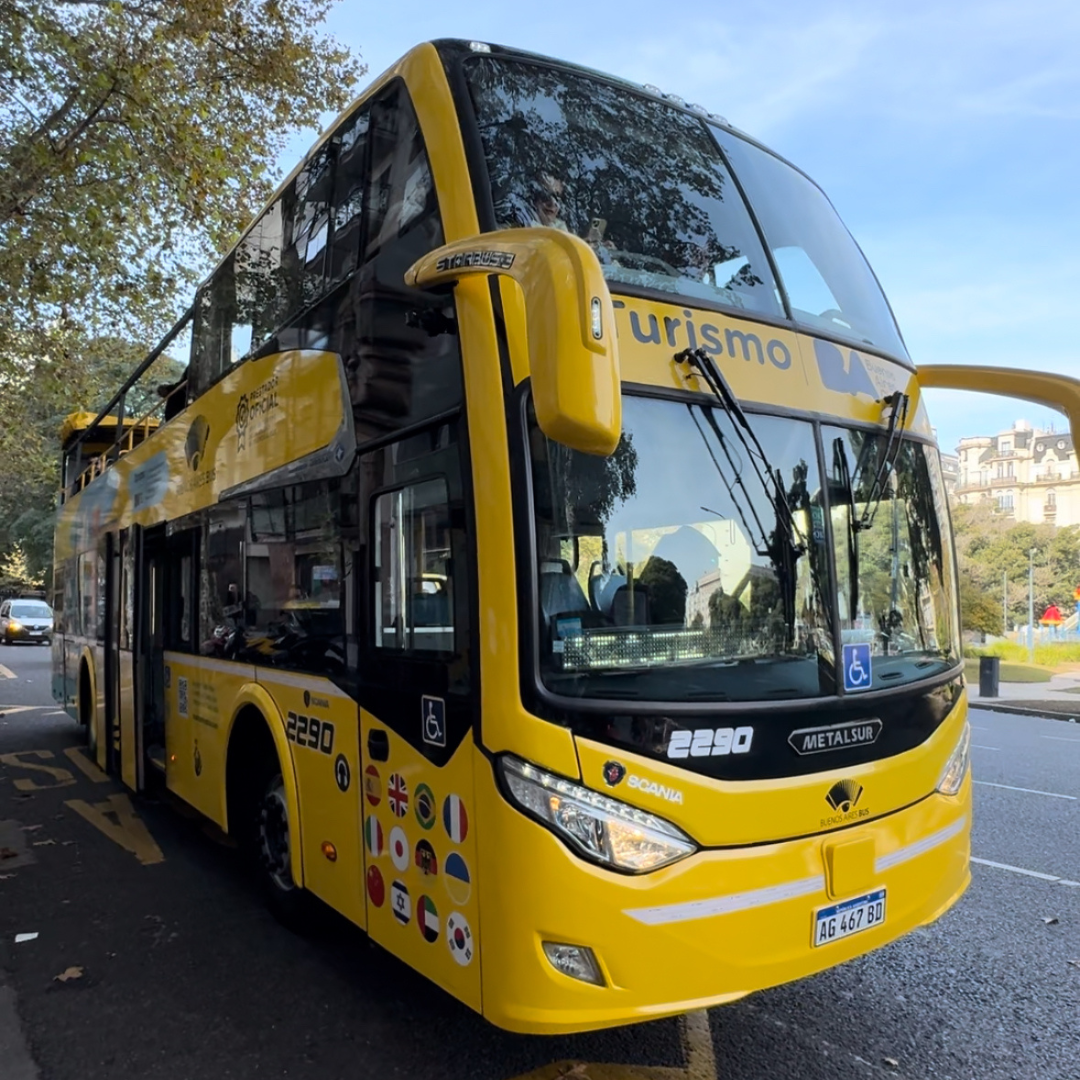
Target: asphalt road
<point x="180" y="973"/>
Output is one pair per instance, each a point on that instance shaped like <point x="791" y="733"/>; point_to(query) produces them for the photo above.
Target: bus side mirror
<point x="1060" y="392"/>
<point x="573" y="351"/>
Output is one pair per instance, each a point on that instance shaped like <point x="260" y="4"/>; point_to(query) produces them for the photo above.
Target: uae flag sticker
<point x="427" y="918"/>
<point x="373" y="836"/>
<point x="399" y="848"/>
<point x="399" y="901"/>
<point x="372" y="785"/>
<point x="455" y="820"/>
<point x="397" y="795"/>
<point x="459" y="938"/>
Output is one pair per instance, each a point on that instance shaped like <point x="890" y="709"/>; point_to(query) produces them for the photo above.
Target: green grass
<point x="1048" y="654"/>
<point x="1010" y="672"/>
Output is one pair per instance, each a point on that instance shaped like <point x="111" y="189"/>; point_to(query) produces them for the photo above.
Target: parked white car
<point x="25" y="620"/>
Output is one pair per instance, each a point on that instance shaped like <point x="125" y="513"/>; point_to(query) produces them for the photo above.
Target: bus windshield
<point x="661" y="572"/>
<point x="660" y="576"/>
<point x="649" y="187"/>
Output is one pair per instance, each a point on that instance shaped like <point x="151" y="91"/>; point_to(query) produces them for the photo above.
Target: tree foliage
<point x="138" y="136"/>
<point x="993" y="557"/>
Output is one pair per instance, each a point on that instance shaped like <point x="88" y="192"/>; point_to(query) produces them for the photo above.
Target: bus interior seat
<point x="560" y="592"/>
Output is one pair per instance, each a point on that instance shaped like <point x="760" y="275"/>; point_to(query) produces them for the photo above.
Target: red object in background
<point x="1051" y="616"/>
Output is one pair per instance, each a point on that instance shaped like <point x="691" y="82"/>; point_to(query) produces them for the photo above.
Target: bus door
<point x="110" y="549"/>
<point x="148" y="649"/>
<point x="126" y="674"/>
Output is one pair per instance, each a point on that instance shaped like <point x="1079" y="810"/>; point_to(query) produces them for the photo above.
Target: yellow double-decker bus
<point x="544" y="560"/>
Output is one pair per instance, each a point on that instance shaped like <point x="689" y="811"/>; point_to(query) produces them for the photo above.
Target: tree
<point x="137" y="137"/>
<point x="15" y="573"/>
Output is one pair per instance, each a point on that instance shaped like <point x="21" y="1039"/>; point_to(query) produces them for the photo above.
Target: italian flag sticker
<point x="373" y="836"/>
<point x="427" y="918"/>
<point x="455" y="820"/>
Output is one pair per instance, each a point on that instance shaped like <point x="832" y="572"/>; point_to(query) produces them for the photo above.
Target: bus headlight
<point x="957" y="766"/>
<point x="602" y="829"/>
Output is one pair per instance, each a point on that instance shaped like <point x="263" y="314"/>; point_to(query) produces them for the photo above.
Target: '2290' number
<point x="310" y="731"/>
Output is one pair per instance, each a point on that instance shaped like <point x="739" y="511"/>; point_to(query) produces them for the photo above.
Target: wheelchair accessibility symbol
<point x="857" y="667"/>
<point x="433" y="718"/>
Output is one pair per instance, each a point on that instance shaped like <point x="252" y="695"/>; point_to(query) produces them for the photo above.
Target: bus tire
<point x="269" y="811"/>
<point x="86" y="710"/>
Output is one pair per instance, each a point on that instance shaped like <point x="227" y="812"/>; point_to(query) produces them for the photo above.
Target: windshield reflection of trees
<point x="643" y="182"/>
<point x="636" y="574"/>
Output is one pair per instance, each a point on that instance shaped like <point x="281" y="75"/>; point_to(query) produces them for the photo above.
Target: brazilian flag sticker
<point x="427" y="918"/>
<point x="424" y="802"/>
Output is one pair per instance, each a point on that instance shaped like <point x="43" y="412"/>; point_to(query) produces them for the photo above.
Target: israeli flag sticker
<point x="857" y="667"/>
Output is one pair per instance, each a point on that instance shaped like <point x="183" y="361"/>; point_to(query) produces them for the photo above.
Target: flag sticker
<point x="376" y="888"/>
<point x="425" y="806"/>
<point x="399" y="901"/>
<point x="459" y="938"/>
<point x="372" y="785"/>
<point x="457" y="878"/>
<point x="397" y="795"/>
<point x="373" y="836"/>
<point x="426" y="861"/>
<point x="455" y="820"/>
<point x="427" y="918"/>
<point x="399" y="848"/>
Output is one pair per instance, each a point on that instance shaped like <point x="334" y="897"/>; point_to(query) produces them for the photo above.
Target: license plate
<point x="849" y="917"/>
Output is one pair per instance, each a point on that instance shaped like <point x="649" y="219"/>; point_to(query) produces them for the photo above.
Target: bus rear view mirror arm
<point x="573" y="351"/>
<point x="1060" y="392"/>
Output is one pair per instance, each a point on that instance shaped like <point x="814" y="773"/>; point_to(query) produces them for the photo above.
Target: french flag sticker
<point x="455" y="820"/>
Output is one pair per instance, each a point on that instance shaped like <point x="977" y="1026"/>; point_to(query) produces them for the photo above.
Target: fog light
<point x="577" y="961"/>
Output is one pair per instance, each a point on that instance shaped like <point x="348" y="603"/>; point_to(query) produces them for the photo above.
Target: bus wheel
<point x="274" y="859"/>
<point x="86" y="711"/>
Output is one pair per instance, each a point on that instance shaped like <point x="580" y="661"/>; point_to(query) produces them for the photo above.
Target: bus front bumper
<point x="705" y="931"/>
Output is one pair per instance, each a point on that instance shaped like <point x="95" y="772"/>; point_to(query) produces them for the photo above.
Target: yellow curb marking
<point x="80" y="759"/>
<point x="700" y="1060"/>
<point x="62" y="777"/>
<point x="118" y="821"/>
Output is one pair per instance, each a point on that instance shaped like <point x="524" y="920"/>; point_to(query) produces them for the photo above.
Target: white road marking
<point x="7" y="673"/>
<point x="979" y="746"/>
<point x="1060" y="738"/>
<point x="1027" y="873"/>
<point x="1030" y="791"/>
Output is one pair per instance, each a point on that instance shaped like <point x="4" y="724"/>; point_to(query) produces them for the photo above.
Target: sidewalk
<point x="1059" y="698"/>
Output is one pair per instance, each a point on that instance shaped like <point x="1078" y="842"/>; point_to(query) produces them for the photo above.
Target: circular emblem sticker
<point x="376" y="888"/>
<point x="459" y="938"/>
<point x="399" y="848"/>
<point x="373" y="836"/>
<point x="455" y="820"/>
<point x="399" y="901"/>
<point x="342" y="772"/>
<point x="397" y="795"/>
<point x="426" y="861"/>
<point x="424" y="806"/>
<point x="457" y="878"/>
<point x="372" y="785"/>
<point x="427" y="919"/>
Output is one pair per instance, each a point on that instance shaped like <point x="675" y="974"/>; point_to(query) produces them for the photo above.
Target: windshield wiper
<point x="786" y="543"/>
<point x="843" y="474"/>
<point x="897" y="403"/>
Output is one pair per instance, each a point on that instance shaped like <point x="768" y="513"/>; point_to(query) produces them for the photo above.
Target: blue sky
<point x="947" y="137"/>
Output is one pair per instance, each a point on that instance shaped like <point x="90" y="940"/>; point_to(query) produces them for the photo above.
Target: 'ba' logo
<point x="844" y="794"/>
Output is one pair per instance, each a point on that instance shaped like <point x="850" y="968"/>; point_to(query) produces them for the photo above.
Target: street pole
<point x="1031" y="605"/>
<point x="1004" y="603"/>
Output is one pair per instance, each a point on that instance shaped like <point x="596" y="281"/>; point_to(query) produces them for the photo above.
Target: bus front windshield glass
<point x="652" y="189"/>
<point x="677" y="569"/>
<point x="894" y="569"/>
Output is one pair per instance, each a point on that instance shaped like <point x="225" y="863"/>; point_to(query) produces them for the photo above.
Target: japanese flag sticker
<point x="399" y="848"/>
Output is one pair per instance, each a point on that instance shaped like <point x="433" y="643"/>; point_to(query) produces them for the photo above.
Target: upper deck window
<point x="643" y="183"/>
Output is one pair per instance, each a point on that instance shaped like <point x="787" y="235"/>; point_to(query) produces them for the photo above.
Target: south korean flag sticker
<point x="459" y="938"/>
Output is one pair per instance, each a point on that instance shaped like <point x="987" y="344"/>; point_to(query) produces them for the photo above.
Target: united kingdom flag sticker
<point x="455" y="819"/>
<point x="397" y="795"/>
